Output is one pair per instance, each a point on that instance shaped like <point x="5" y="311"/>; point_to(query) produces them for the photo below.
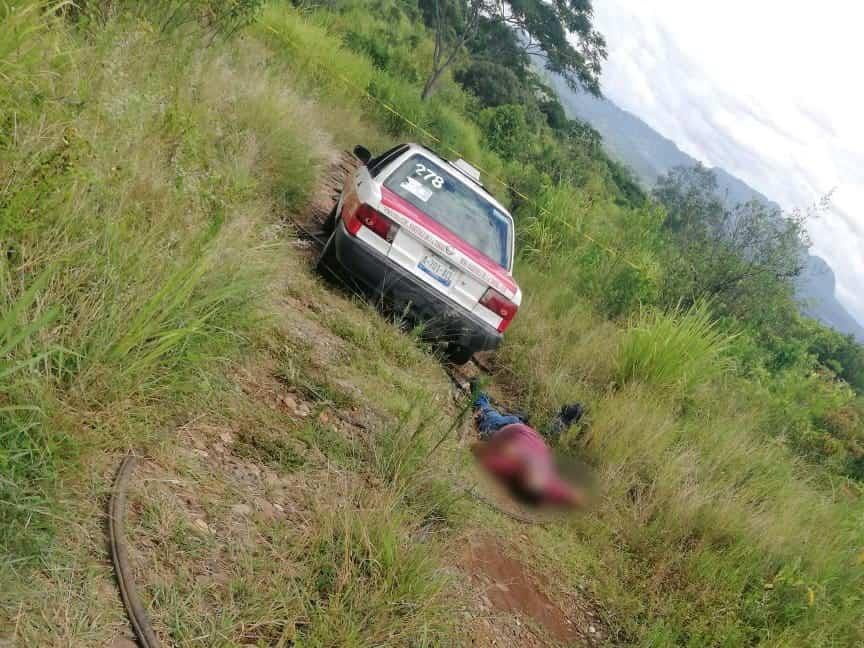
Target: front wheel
<point x="458" y="354"/>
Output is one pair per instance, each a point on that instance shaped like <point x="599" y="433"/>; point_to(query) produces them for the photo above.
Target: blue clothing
<point x="491" y="420"/>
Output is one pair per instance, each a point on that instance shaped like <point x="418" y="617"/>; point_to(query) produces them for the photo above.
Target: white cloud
<point x="767" y="90"/>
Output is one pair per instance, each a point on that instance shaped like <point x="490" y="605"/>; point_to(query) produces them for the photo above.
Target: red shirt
<point x="516" y="446"/>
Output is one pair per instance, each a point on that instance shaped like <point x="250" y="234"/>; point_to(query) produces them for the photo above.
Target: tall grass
<point x="310" y="43"/>
<point x="706" y="532"/>
<point x="730" y="533"/>
<point x="25" y="455"/>
<point x="370" y="584"/>
<point x="674" y="351"/>
<point x="140" y="179"/>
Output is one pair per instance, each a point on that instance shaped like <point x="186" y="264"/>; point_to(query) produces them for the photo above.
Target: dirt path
<point x="519" y="610"/>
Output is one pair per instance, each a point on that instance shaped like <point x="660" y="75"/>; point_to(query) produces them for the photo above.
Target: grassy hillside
<point x="153" y="301"/>
<point x="153" y="298"/>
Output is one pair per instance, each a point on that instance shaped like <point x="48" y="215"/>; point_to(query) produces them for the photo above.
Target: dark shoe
<point x="571" y="414"/>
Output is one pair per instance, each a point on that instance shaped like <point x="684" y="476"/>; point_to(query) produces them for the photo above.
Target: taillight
<point x="374" y="220"/>
<point x="501" y="306"/>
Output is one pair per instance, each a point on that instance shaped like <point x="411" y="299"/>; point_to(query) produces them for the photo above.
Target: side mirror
<point x="362" y="153"/>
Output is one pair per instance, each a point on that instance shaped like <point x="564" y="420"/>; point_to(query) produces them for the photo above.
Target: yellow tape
<point x="437" y="140"/>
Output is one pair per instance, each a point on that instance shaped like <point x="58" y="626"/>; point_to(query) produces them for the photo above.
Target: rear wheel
<point x="327" y="265"/>
<point x="330" y="222"/>
<point x="458" y="354"/>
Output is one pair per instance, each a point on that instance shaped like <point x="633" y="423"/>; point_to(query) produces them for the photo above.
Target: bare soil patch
<point x="514" y="606"/>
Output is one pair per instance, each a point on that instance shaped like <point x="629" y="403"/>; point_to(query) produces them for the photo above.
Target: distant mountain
<point x="650" y="155"/>
<point x="816" y="288"/>
<point x="633" y="142"/>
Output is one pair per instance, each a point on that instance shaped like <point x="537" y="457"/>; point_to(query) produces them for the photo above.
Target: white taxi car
<point x="424" y="234"/>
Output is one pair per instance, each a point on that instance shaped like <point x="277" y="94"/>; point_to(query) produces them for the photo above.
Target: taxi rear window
<point x="437" y="193"/>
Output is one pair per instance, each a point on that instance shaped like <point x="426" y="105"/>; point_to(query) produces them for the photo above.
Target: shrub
<point x="674" y="352"/>
<point x="547" y="227"/>
<point x="505" y="131"/>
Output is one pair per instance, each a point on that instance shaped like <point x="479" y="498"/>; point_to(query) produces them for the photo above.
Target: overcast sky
<point x="769" y="90"/>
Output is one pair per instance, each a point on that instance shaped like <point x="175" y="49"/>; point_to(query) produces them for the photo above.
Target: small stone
<point x="592" y="629"/>
<point x="201" y="524"/>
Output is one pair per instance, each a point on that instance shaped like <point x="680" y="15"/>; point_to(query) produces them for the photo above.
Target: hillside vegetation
<point x="148" y="156"/>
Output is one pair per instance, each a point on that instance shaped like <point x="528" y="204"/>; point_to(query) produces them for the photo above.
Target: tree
<point x="691" y="197"/>
<point x="493" y="84"/>
<point x="542" y="28"/>
<point x="840" y="353"/>
<point x="743" y="257"/>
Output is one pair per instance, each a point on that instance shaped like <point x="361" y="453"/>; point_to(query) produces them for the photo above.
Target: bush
<point x="505" y="131"/>
<point x="674" y="352"/>
<point x="547" y="228"/>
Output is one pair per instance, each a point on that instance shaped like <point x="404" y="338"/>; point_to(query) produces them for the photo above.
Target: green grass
<point x="674" y="352"/>
<point x="706" y="531"/>
<point x="144" y="255"/>
<point x="144" y="177"/>
<point x="150" y="301"/>
<point x="372" y="585"/>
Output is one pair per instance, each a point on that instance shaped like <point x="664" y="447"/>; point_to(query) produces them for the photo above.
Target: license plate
<point x="439" y="270"/>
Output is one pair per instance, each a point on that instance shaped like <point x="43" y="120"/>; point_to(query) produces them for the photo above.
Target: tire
<point x="327" y="265"/>
<point x="458" y="354"/>
<point x="329" y="225"/>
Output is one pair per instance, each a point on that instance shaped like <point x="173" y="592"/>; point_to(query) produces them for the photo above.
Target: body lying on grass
<point x="518" y="456"/>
